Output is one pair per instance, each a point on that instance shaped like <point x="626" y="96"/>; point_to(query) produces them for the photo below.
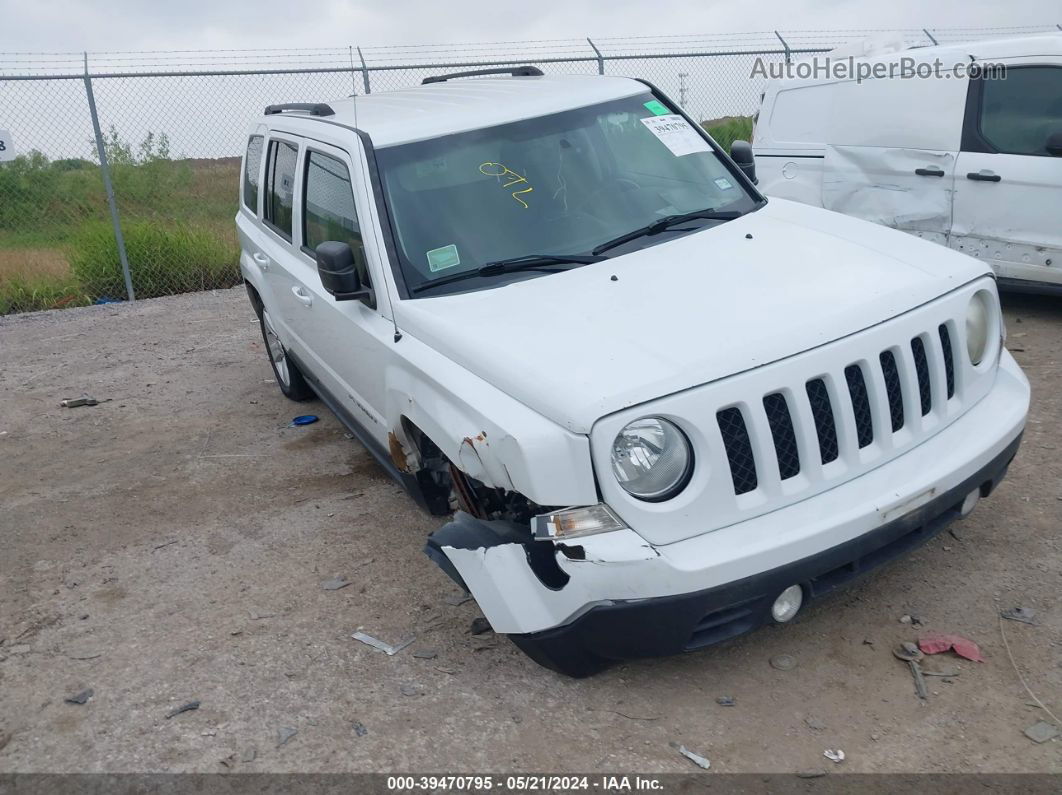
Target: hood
<point x="577" y="345"/>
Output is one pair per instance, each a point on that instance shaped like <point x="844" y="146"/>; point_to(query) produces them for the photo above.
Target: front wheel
<point x="289" y="378"/>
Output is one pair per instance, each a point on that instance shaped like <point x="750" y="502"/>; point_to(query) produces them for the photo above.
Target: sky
<point x="125" y="25"/>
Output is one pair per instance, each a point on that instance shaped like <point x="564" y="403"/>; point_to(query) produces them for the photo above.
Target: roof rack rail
<point x="313" y="108"/>
<point x="515" y="71"/>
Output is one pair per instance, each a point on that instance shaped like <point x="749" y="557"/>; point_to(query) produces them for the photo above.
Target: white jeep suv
<point x="665" y="410"/>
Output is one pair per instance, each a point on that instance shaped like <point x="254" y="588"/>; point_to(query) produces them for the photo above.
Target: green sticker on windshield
<point x="656" y="108"/>
<point x="442" y="258"/>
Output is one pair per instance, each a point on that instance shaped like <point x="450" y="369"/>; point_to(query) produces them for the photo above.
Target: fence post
<point x="364" y="72"/>
<point x="600" y="60"/>
<point x="108" y="187"/>
<point x="788" y="54"/>
<point x="930" y="35"/>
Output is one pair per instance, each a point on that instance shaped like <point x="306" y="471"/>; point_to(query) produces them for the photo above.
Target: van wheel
<point x="290" y="380"/>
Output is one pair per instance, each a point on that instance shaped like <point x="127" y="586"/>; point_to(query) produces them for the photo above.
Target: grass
<point x="729" y="129"/>
<point x="163" y="259"/>
<point x="57" y="247"/>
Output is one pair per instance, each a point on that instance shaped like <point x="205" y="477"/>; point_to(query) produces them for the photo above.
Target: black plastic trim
<point x="674" y="624"/>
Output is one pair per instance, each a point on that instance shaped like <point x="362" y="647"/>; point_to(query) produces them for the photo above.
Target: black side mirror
<point x="741" y="153"/>
<point x="335" y="265"/>
<point x="1054" y="143"/>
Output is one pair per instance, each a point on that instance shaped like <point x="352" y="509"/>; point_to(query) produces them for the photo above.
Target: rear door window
<point x="1020" y="113"/>
<point x="252" y="167"/>
<point x="328" y="208"/>
<point x="280" y="186"/>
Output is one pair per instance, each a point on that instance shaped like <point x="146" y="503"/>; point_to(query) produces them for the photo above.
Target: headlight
<point x="979" y="316"/>
<point x="652" y="459"/>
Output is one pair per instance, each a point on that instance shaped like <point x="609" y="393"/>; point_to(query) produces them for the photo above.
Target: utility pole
<point x="682" y="89"/>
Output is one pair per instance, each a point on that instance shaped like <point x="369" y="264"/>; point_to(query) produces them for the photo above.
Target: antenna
<point x="367" y="184"/>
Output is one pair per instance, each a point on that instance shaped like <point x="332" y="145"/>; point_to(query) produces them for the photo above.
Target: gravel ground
<point x="170" y="546"/>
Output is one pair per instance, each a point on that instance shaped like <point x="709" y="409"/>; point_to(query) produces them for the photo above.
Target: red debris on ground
<point x="935" y="643"/>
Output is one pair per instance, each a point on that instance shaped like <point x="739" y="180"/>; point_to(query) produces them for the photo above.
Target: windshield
<point x="559" y="184"/>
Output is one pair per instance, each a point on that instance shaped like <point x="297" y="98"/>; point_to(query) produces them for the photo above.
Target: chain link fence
<point x="119" y="175"/>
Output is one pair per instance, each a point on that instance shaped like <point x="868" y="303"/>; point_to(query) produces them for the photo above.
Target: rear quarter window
<point x="251" y="170"/>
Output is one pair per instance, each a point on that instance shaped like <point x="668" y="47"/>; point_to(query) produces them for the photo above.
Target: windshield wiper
<point x="526" y="262"/>
<point x="668" y="221"/>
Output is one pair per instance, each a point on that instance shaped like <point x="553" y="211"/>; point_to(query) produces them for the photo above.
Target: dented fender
<point x="487" y="434"/>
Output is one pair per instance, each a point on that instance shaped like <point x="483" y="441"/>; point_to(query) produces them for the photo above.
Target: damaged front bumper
<point x="577" y="606"/>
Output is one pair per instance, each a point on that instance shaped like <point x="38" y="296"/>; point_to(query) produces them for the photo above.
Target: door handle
<point x="261" y="260"/>
<point x="929" y="172"/>
<point x="304" y="297"/>
<point x="983" y="176"/>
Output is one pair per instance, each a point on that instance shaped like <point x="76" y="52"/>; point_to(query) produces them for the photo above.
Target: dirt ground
<point x="170" y="546"/>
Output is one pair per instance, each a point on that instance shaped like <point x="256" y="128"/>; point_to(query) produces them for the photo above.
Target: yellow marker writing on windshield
<point x="499" y="170"/>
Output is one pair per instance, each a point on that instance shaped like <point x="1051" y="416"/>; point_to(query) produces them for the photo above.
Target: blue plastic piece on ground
<point x="106" y="299"/>
<point x="305" y="419"/>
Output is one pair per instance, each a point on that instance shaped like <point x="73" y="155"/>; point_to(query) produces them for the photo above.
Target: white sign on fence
<point x="7" y="146"/>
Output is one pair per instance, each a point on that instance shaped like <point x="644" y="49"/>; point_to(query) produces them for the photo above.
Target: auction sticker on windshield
<point x="676" y="134"/>
<point x="7" y="146"/>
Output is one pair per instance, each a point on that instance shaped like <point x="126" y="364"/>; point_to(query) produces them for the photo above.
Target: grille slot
<point x="892" y="389"/>
<point x="822" y="411"/>
<point x="785" y="445"/>
<point x="949" y="362"/>
<point x="857" y="388"/>
<point x="925" y="390"/>
<point x="738" y="449"/>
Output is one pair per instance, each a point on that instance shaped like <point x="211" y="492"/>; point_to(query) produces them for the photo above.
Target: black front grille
<point x="892" y="389"/>
<point x="925" y="390"/>
<point x="738" y="449"/>
<point x="785" y="444"/>
<point x="822" y="411"/>
<point x="857" y="388"/>
<point x="949" y="363"/>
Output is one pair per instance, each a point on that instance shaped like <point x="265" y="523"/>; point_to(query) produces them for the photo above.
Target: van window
<point x="328" y="208"/>
<point x="253" y="163"/>
<point x="1019" y="113"/>
<point x="280" y="186"/>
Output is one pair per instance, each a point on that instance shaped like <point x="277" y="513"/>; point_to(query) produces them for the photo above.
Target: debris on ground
<point x="191" y="705"/>
<point x="1025" y="615"/>
<point x="285" y="733"/>
<point x="912" y="619"/>
<point x="335" y="583"/>
<point x="697" y="759"/>
<point x="305" y="419"/>
<point x="947" y="672"/>
<point x="84" y="400"/>
<point x="457" y="599"/>
<point x="835" y="755"/>
<point x="815" y="723"/>
<point x="817" y="772"/>
<point x="938" y="642"/>
<point x="784" y="662"/>
<point x="911" y="654"/>
<point x="80" y="698"/>
<point x="480" y="625"/>
<point x="725" y="701"/>
<point x="386" y="648"/>
<point x="359" y="729"/>
<point x="425" y="654"/>
<point x="1041" y="732"/>
<point x="249" y="754"/>
<point x="409" y="690"/>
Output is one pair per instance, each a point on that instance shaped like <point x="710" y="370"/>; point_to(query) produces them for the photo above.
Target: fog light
<point x="787" y="604"/>
<point x="970" y="501"/>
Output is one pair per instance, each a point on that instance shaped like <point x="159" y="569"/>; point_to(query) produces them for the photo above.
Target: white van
<point x="972" y="161"/>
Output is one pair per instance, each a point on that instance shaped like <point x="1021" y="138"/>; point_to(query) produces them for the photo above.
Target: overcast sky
<point x="75" y="25"/>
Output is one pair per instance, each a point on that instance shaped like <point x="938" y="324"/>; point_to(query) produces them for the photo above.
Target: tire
<point x="289" y="377"/>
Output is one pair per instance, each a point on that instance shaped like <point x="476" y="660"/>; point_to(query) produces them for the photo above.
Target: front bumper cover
<point x="673" y="624"/>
